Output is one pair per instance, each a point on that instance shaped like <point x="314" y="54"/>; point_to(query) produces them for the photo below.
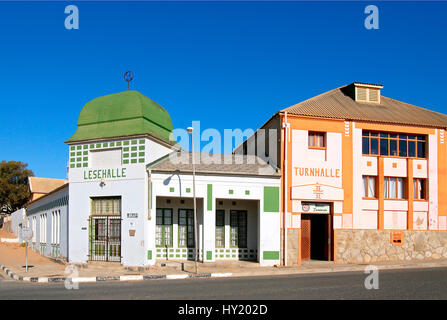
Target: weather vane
<point x="128" y="76"/>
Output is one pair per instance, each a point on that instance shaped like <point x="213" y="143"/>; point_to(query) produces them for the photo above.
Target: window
<point x="419" y="189"/>
<point x="369" y="187"/>
<point x="106" y="206"/>
<point x="55" y="226"/>
<point x="43" y="228"/>
<point x="34" y="228"/>
<point x="238" y="228"/>
<point x="393" y="144"/>
<point x="220" y="228"/>
<point x="186" y="228"/>
<point x="163" y="229"/>
<point x="316" y="140"/>
<point x="394" y="188"/>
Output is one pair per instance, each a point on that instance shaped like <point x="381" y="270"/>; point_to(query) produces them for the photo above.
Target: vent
<point x="365" y="92"/>
<point x="373" y="95"/>
<point x="361" y="94"/>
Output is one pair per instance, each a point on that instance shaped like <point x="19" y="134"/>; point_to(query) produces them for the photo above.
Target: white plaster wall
<point x="396" y="205"/>
<point x="357" y="217"/>
<point x="17" y="218"/>
<point x="155" y="150"/>
<point x="162" y="185"/>
<point x="433" y="181"/>
<point x="64" y="216"/>
<point x="395" y="220"/>
<point x="422" y="172"/>
<point x="399" y="171"/>
<point x="367" y="170"/>
<point x="133" y="193"/>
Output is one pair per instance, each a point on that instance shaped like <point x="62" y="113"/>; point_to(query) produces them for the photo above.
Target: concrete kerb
<point x="282" y="271"/>
<point x="111" y="278"/>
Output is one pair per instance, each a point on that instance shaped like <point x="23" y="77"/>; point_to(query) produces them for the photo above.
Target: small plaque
<point x="27" y="234"/>
<point x="132" y="215"/>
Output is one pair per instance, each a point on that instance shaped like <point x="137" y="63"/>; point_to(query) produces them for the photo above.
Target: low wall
<point x="366" y="246"/>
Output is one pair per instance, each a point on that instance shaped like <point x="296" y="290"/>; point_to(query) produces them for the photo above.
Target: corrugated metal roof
<point x="216" y="163"/>
<point x="340" y="104"/>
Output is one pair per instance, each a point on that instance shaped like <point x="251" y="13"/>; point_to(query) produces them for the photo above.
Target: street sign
<point x="26" y="234"/>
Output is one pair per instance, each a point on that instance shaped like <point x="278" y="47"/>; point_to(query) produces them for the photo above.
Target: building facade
<point x="363" y="177"/>
<point x="130" y="194"/>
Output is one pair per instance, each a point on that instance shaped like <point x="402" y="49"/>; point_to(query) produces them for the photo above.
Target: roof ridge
<point x="316" y="97"/>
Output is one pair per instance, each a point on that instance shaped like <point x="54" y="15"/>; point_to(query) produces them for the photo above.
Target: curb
<point x="112" y="278"/>
<point x="209" y="275"/>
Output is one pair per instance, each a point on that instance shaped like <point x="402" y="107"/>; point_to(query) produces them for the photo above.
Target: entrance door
<point x="316" y="237"/>
<point x="305" y="237"/>
<point x="105" y="230"/>
<point x="105" y="239"/>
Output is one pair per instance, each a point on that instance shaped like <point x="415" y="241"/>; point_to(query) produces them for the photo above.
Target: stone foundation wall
<point x="366" y="246"/>
<point x="292" y="247"/>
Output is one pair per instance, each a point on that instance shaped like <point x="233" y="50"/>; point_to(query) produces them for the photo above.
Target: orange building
<point x="364" y="177"/>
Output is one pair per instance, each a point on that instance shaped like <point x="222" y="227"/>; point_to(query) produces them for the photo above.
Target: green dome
<point x="122" y="114"/>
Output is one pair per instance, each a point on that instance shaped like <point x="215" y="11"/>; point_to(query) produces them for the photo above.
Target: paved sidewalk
<point x="12" y="260"/>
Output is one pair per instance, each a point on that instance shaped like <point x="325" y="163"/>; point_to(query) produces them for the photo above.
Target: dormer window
<point x="365" y="92"/>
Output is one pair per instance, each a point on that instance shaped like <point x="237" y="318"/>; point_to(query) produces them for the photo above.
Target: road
<point x="393" y="284"/>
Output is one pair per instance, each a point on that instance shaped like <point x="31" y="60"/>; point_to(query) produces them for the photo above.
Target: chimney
<point x="367" y="92"/>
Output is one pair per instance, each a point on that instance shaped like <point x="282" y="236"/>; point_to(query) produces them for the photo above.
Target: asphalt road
<point x="393" y="284"/>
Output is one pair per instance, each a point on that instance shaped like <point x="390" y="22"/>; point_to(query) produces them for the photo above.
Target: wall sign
<point x="132" y="215"/>
<point x="26" y="234"/>
<point x="94" y="174"/>
<point x="315" y="207"/>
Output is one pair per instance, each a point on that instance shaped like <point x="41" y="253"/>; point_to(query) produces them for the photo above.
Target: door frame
<point x="329" y="232"/>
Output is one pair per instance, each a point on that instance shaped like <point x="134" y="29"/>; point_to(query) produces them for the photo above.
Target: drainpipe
<point x="149" y="190"/>
<point x="285" y="126"/>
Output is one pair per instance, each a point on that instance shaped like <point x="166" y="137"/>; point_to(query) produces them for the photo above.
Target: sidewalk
<point x="12" y="260"/>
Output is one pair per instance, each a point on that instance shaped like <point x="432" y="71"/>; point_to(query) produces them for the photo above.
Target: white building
<point x="130" y="194"/>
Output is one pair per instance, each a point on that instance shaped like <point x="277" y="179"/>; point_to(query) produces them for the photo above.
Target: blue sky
<point x="227" y="64"/>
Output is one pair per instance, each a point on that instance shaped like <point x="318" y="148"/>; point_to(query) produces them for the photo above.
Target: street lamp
<point x="196" y="243"/>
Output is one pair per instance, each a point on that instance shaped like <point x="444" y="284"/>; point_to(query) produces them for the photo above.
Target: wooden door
<point x="305" y="237"/>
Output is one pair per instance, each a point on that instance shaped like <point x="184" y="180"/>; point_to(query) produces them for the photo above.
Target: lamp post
<point x="196" y="243"/>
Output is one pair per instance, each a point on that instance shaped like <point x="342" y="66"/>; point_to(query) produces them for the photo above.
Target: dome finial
<point x="128" y="76"/>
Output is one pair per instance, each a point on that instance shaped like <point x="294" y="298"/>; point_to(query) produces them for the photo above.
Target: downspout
<point x="286" y="140"/>
<point x="149" y="195"/>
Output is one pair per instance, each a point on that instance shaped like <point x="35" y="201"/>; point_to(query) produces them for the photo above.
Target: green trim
<point x="247" y="192"/>
<point x="270" y="255"/>
<point x="149" y="254"/>
<point x="231" y="191"/>
<point x="222" y="212"/>
<point x="188" y="212"/>
<point x="209" y="255"/>
<point x="271" y="199"/>
<point x="163" y="239"/>
<point x="171" y="189"/>
<point x="188" y="190"/>
<point x="209" y="198"/>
